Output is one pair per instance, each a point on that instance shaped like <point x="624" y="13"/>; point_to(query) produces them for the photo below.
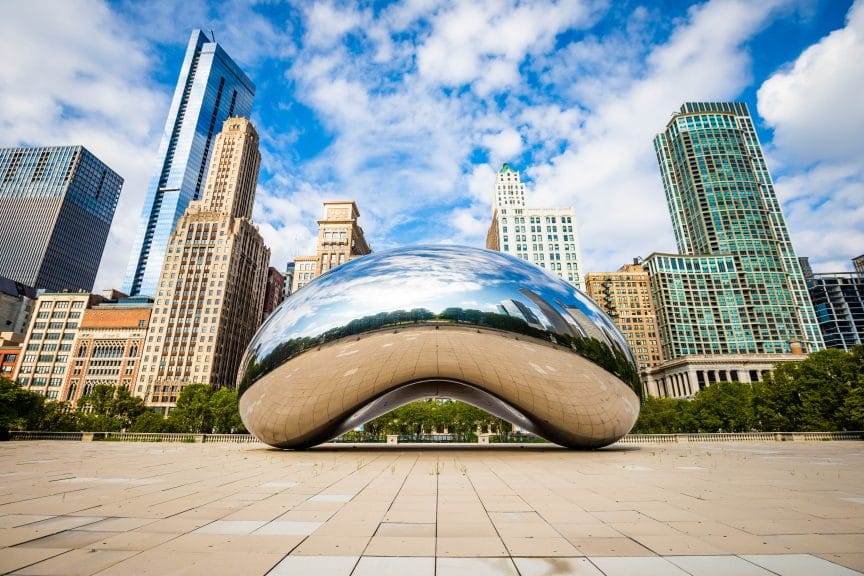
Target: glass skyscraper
<point x="56" y="208"/>
<point x="737" y="285"/>
<point x="211" y="88"/>
<point x="838" y="299"/>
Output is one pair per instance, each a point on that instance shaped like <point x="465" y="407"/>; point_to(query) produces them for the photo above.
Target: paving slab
<point x="700" y="509"/>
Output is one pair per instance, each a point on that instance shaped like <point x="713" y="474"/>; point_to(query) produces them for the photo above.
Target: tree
<point x="17" y="407"/>
<point x="98" y="400"/>
<point x="108" y="409"/>
<point x="150" y="421"/>
<point x="724" y="406"/>
<point x="55" y="417"/>
<point x="664" y="416"/>
<point x="225" y="412"/>
<point x="818" y="393"/>
<point x="193" y="411"/>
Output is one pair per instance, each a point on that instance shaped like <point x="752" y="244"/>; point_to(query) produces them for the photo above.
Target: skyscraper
<point x="210" y="295"/>
<point x="554" y="243"/>
<point x="722" y="203"/>
<point x="340" y="238"/>
<point x="56" y="207"/>
<point x="211" y="88"/>
<point x="838" y="299"/>
<point x="733" y="303"/>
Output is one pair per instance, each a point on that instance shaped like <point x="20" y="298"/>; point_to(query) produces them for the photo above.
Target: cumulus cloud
<point x="412" y="106"/>
<point x="483" y="43"/>
<point x="88" y="84"/>
<point x="609" y="170"/>
<point x="813" y="106"/>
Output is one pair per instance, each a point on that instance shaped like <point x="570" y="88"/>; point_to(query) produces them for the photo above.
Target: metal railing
<point x="442" y="438"/>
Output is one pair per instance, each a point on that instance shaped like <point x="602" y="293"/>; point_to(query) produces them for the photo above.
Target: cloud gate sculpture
<point x="463" y="323"/>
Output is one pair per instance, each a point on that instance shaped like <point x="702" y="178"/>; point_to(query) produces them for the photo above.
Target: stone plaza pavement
<point x="112" y="508"/>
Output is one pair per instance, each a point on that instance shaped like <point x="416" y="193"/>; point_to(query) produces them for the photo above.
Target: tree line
<point x="200" y="410"/>
<point x="824" y="392"/>
<point x="433" y="416"/>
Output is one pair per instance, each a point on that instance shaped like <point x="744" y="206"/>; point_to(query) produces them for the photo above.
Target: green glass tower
<point x="753" y="298"/>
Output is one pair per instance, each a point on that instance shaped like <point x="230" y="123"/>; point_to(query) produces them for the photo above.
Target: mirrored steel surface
<point x="478" y="325"/>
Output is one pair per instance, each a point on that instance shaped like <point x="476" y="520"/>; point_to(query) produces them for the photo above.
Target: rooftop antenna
<point x="212" y="35"/>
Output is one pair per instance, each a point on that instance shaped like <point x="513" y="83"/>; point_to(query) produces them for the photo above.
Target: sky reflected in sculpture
<point x="436" y="279"/>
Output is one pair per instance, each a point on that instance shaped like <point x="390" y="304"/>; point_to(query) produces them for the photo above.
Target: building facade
<point x="16" y="305"/>
<point x="547" y="237"/>
<point x="340" y="239"/>
<point x="49" y="341"/>
<point x="275" y="292"/>
<point x="625" y="296"/>
<point x="108" y="346"/>
<point x="858" y="264"/>
<point x="211" y="88"/>
<point x="683" y="377"/>
<point x="737" y="286"/>
<point x="839" y="303"/>
<point x="56" y="206"/>
<point x="289" y="279"/>
<point x="10" y="352"/>
<point x="210" y="294"/>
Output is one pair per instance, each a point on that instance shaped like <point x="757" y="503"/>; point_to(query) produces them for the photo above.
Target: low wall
<point x="629" y="439"/>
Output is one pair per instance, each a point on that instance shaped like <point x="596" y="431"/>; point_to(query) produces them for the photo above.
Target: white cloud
<point x="814" y="105"/>
<point x="484" y="42"/>
<point x="327" y="24"/>
<point x="817" y="152"/>
<point x="83" y="83"/>
<point x="503" y="146"/>
<point x="609" y="172"/>
<point x="420" y="101"/>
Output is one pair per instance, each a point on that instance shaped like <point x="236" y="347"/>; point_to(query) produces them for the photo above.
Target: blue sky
<point x="410" y="107"/>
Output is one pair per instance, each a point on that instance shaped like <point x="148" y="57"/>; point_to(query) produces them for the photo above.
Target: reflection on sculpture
<point x="464" y="323"/>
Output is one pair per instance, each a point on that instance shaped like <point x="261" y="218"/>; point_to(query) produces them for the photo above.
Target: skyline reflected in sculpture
<point x="392" y="307"/>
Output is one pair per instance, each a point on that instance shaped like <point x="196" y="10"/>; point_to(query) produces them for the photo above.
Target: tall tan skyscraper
<point x="625" y="296"/>
<point x="211" y="290"/>
<point x="340" y="238"/>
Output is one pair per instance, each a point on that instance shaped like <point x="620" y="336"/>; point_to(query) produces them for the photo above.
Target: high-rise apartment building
<point x="340" y="239"/>
<point x="211" y="88"/>
<point x="737" y="266"/>
<point x="48" y="344"/>
<point x="56" y="208"/>
<point x="545" y="236"/>
<point x="210" y="295"/>
<point x="625" y="296"/>
<point x="275" y="292"/>
<point x="838" y="299"/>
<point x="733" y="303"/>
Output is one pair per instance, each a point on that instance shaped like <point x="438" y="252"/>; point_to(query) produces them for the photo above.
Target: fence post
<point x="392" y="439"/>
